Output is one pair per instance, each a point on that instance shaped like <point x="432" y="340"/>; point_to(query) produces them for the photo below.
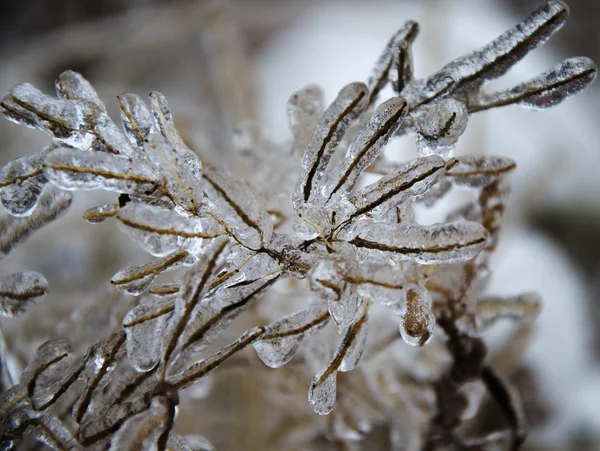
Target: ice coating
<point x="477" y="171"/>
<point x="71" y="169"/>
<point x="282" y="338"/>
<point x="137" y="119"/>
<point x="387" y="68"/>
<point x="351" y="101"/>
<point x="145" y="327"/>
<point x="304" y="109"/>
<point x="52" y="204"/>
<point x="19" y="291"/>
<point x="546" y="90"/>
<point x="366" y="146"/>
<point x="96" y="215"/>
<point x="71" y="85"/>
<point x="136" y="279"/>
<point x="162" y="232"/>
<point x="235" y="205"/>
<point x="439" y="243"/>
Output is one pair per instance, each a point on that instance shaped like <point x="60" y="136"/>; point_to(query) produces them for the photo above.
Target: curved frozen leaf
<point x="282" y="338"/>
<point x="137" y="119"/>
<point x="438" y="243"/>
<point x="150" y="428"/>
<point x="352" y="346"/>
<point x="384" y="67"/>
<point x="402" y="71"/>
<point x="20" y="290"/>
<point x="323" y="392"/>
<point x="71" y="85"/>
<point x="52" y="203"/>
<point x="145" y="326"/>
<point x="479" y="171"/>
<point x="21" y="183"/>
<point x="524" y="307"/>
<point x="194" y="288"/>
<point x="237" y="207"/>
<point x="409" y="180"/>
<point x="204" y="367"/>
<point x="366" y="146"/>
<point x="162" y="232"/>
<point x="136" y="279"/>
<point x="101" y="359"/>
<point x="467" y="73"/>
<point x="214" y="314"/>
<point x="72" y="169"/>
<point x="345" y="309"/>
<point x="418" y="322"/>
<point x="304" y="108"/>
<point x="546" y="90"/>
<point x="350" y="103"/>
<point x="49" y="374"/>
<point x="180" y="166"/>
<point x="165" y="289"/>
<point x="69" y="121"/>
<point x="53" y="433"/>
<point x="95" y="215"/>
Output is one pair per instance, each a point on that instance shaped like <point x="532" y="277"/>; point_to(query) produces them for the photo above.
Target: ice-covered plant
<point x="228" y="241"/>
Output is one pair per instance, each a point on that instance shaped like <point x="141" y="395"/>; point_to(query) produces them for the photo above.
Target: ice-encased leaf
<point x="237" y="207"/>
<point x="384" y="67"/>
<point x="214" y="314"/>
<point x="180" y="166"/>
<point x="20" y="290"/>
<point x="352" y="346"/>
<point x="345" y="309"/>
<point x="350" y="103"/>
<point x="479" y="171"/>
<point x="323" y="392"/>
<point x="164" y="289"/>
<point x="49" y="372"/>
<point x="101" y="359"/>
<point x="438" y="243"/>
<point x="283" y="337"/>
<point x="72" y="169"/>
<point x="382" y="283"/>
<point x="96" y="215"/>
<point x="53" y="433"/>
<point x="203" y="368"/>
<point x="137" y="119"/>
<point x="546" y="90"/>
<point x="52" y="203"/>
<point x="439" y="126"/>
<point x="71" y="85"/>
<point x="412" y="179"/>
<point x="365" y="147"/>
<point x="304" y="108"/>
<point x="136" y="279"/>
<point x="195" y="286"/>
<point x="464" y="76"/>
<point x="69" y="121"/>
<point x="145" y="327"/>
<point x="150" y="428"/>
<point x="162" y="232"/>
<point x="402" y="71"/>
<point x="524" y="307"/>
<point x="21" y="183"/>
<point x="418" y="322"/>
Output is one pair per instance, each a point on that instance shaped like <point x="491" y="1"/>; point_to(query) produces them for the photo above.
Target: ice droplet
<point x="417" y="324"/>
<point x="322" y="393"/>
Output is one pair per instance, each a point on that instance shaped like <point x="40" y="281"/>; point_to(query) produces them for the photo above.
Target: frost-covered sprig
<point x="358" y="245"/>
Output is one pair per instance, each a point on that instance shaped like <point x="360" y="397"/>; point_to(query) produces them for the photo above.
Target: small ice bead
<point x="417" y="324"/>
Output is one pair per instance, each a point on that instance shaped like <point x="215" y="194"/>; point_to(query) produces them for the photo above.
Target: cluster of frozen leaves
<point x="357" y="244"/>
